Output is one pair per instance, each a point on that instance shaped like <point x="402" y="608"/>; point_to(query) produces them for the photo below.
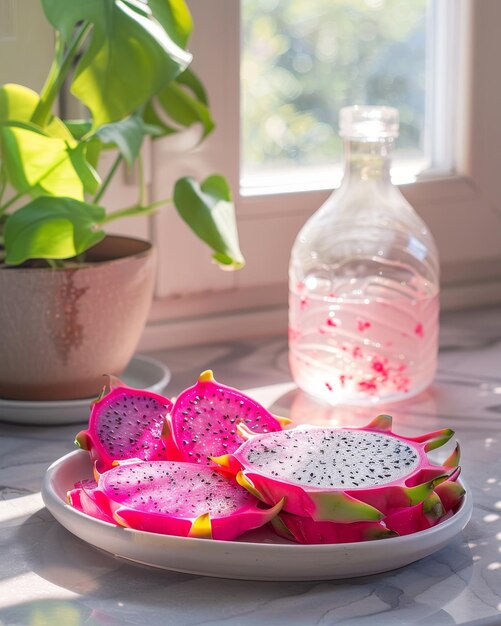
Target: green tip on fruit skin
<point x="207" y="376"/>
<point x="441" y="438"/>
<point x="432" y="507"/>
<point x="435" y="439"/>
<point x="375" y="534"/>
<point x="283" y="421"/>
<point x="201" y="527"/>
<point x="338" y="507"/>
<point x="419" y="493"/>
<point x="246" y="483"/>
<point x="453" y="459"/>
<point x="274" y="510"/>
<point x="244" y="431"/>
<point x="82" y="441"/>
<point x="381" y="422"/>
<point x="282" y="529"/>
<point x="451" y="493"/>
<point x="166" y="428"/>
<point x="224" y="460"/>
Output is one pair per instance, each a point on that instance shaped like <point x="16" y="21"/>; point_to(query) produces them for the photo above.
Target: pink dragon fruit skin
<point x="204" y="419"/>
<point x="400" y="522"/>
<point x="125" y="423"/>
<point x="439" y="505"/>
<point x="181" y="499"/>
<point x="83" y="498"/>
<point x="305" y="530"/>
<point x="416" y="518"/>
<point x="451" y="492"/>
<point x="395" y="480"/>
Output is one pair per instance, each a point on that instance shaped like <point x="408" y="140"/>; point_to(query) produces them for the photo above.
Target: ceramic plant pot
<point x="61" y="330"/>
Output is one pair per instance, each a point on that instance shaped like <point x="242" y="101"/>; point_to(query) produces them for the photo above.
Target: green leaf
<point x="85" y="171"/>
<point x="175" y="17"/>
<point x="78" y="128"/>
<point x="191" y="80"/>
<point x="184" y="107"/>
<point x="52" y="228"/>
<point x="129" y="58"/>
<point x="36" y="161"/>
<point x="127" y="135"/>
<point x="93" y="149"/>
<point x="17" y="103"/>
<point x="208" y="210"/>
<point x="24" y="125"/>
<point x="185" y="102"/>
<point x="151" y="116"/>
<point x="39" y="165"/>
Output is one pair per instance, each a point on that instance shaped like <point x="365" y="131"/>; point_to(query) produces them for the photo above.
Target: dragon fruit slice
<point x="400" y="522"/>
<point x="205" y="417"/>
<point x="182" y="499"/>
<point x="125" y="423"/>
<point x="305" y="530"/>
<point x="83" y="498"/>
<point x="340" y="474"/>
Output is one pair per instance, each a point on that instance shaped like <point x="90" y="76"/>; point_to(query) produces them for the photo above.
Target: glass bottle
<point x="364" y="280"/>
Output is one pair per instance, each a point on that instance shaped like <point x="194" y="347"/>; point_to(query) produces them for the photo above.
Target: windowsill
<point x="236" y="314"/>
<point x="272" y="180"/>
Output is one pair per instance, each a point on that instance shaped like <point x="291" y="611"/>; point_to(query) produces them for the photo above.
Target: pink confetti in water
<point x="329" y="386"/>
<point x="401" y="383"/>
<point x="304" y="303"/>
<point x="419" y="330"/>
<point x="331" y="322"/>
<point x="357" y="352"/>
<point x="380" y="364"/>
<point x="332" y="295"/>
<point x="363" y="325"/>
<point x="369" y="386"/>
<point x="342" y="379"/>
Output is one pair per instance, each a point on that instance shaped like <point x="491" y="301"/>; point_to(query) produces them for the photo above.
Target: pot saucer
<point x="142" y="372"/>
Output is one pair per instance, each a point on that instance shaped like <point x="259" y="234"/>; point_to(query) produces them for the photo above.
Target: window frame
<point x="462" y="208"/>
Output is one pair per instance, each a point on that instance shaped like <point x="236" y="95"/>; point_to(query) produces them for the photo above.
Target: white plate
<point x="260" y="555"/>
<point x="142" y="372"/>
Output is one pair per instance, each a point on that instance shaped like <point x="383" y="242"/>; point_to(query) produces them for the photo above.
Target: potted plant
<point x="74" y="301"/>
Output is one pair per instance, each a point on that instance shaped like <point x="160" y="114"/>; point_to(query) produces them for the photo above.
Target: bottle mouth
<point x="368" y="123"/>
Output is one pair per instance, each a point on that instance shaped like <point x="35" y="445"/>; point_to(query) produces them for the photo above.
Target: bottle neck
<point x="367" y="161"/>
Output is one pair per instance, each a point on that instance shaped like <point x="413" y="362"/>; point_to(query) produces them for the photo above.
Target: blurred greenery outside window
<point x="302" y="61"/>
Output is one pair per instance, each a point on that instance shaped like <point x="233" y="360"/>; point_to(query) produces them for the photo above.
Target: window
<point x="301" y="62"/>
<point x="458" y="195"/>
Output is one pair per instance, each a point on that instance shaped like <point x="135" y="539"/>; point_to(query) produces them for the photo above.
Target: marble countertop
<point x="49" y="577"/>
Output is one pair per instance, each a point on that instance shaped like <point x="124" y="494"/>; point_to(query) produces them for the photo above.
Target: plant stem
<point x="108" y="179"/>
<point x="57" y="75"/>
<point x="3" y="184"/>
<point x="142" y="188"/>
<point x="134" y="211"/>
